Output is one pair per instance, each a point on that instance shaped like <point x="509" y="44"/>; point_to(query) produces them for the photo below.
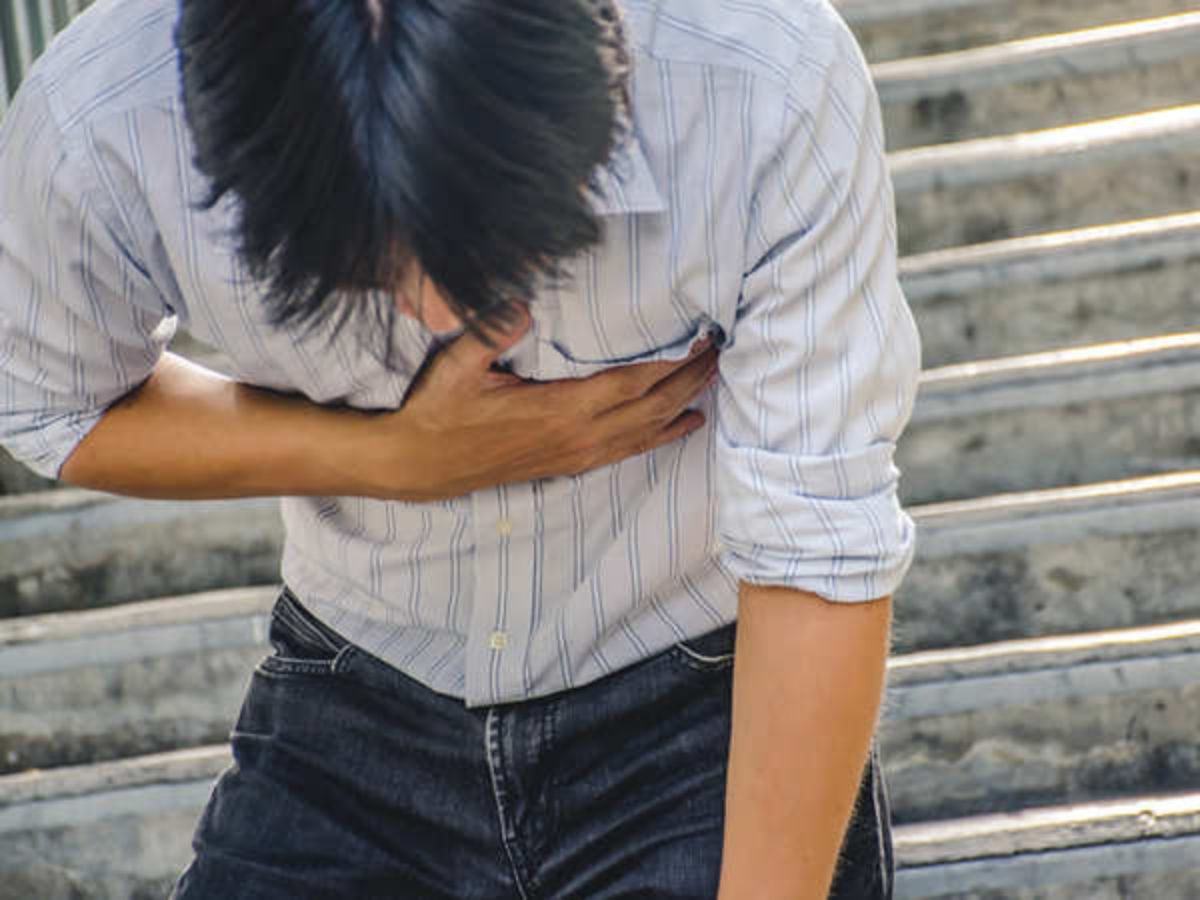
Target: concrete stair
<point x="1141" y="847"/>
<point x="1058" y="418"/>
<point x="893" y="29"/>
<point x="1041" y="82"/>
<point x="1057" y="290"/>
<point x="76" y="549"/>
<point x="1096" y="173"/>
<point x="1059" y="561"/>
<point x="1039" y="729"/>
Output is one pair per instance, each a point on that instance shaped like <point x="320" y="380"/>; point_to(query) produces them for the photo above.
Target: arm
<point x="808" y="679"/>
<point x="188" y="433"/>
<point x="817" y="386"/>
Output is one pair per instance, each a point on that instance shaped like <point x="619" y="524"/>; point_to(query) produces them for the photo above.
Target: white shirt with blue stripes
<point x="753" y="202"/>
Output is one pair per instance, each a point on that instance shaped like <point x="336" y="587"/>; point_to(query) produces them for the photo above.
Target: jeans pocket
<point x="710" y="652"/>
<point x="303" y="644"/>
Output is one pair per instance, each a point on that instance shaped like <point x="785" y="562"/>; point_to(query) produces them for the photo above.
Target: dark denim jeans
<point x="352" y="780"/>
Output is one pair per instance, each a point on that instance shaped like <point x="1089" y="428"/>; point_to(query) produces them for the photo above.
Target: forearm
<point x="808" y="681"/>
<point x="188" y="433"/>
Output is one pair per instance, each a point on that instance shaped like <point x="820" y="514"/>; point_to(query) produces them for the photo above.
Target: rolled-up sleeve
<point x="79" y="319"/>
<point x="819" y="377"/>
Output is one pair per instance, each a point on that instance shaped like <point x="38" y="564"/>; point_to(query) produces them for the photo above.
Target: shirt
<point x="752" y="202"/>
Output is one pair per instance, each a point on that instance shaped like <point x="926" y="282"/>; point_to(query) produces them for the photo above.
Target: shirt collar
<point x="626" y="183"/>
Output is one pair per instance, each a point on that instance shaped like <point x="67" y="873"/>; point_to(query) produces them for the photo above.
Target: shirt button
<point x="504" y="528"/>
<point x="717" y="548"/>
<point x="498" y="640"/>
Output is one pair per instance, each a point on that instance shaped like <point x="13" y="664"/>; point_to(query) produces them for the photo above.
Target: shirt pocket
<point x="570" y="342"/>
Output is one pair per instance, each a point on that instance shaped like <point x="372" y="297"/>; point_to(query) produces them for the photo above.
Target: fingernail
<point x="699" y="348"/>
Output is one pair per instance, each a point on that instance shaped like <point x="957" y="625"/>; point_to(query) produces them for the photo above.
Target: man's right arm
<point x="188" y="433"/>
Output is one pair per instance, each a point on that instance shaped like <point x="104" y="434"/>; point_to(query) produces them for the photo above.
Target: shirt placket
<point x="500" y="619"/>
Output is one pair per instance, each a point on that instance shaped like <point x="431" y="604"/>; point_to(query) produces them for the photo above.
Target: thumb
<point x="470" y="351"/>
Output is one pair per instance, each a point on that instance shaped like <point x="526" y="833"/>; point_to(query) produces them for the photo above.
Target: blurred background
<point x="1042" y="727"/>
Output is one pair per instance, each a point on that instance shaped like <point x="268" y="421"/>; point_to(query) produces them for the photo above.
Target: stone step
<point x="1098" y="173"/>
<point x="1142" y="847"/>
<point x="1041" y="82"/>
<point x="1108" y="555"/>
<point x="107" y="831"/>
<point x="76" y="549"/>
<point x="967" y="730"/>
<point x="893" y="29"/>
<point x="1054" y="419"/>
<point x="137" y="678"/>
<point x="123" y="829"/>
<point x="1052" y="291"/>
<point x="1063" y="719"/>
<point x="1104" y="556"/>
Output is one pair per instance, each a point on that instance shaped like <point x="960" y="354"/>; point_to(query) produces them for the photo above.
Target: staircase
<point x="1040" y="732"/>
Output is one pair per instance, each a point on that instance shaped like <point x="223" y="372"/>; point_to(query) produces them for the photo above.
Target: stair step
<point x="123" y="829"/>
<point x="1103" y="556"/>
<point x="1061" y="719"/>
<point x="1055" y="419"/>
<point x="1016" y="565"/>
<point x="77" y="549"/>
<point x="893" y="29"/>
<point x="1097" y="173"/>
<point x="1072" y="288"/>
<point x="105" y="830"/>
<point x="1058" y="712"/>
<point x="137" y="678"/>
<point x="1041" y="82"/>
<point x="1142" y="847"/>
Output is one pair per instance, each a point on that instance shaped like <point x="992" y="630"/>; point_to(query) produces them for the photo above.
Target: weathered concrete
<point x="16" y="479"/>
<point x="1053" y="291"/>
<point x="135" y="679"/>
<point x="890" y="29"/>
<point x="1099" y="850"/>
<point x="1053" y="562"/>
<point x="122" y="830"/>
<point x="991" y="569"/>
<point x="109" y="831"/>
<point x="1050" y="720"/>
<point x="1041" y="83"/>
<point x="1129" y="167"/>
<point x="1049" y="420"/>
<point x="74" y="549"/>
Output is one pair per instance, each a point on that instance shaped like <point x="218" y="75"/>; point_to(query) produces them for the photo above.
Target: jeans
<point x="352" y="780"/>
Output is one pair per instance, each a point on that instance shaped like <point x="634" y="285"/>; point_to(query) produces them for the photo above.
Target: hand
<point x="466" y="426"/>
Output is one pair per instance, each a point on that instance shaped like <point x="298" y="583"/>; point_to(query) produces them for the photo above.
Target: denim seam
<point x="698" y="663"/>
<point x="492" y="749"/>
<point x="294" y="617"/>
<point x="700" y="657"/>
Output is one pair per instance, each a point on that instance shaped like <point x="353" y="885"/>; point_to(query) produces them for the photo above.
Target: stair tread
<point x="1052" y="256"/>
<point x="1037" y="830"/>
<point x="994" y="159"/>
<point x="1089" y="51"/>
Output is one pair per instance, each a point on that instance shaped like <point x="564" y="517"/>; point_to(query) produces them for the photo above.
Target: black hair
<point x="358" y="137"/>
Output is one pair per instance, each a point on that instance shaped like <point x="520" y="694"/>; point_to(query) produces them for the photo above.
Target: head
<point x="383" y="152"/>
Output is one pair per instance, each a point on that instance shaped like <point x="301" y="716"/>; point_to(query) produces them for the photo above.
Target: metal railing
<point x="26" y="27"/>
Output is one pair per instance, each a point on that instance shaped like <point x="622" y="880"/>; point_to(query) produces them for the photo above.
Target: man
<point x="506" y="661"/>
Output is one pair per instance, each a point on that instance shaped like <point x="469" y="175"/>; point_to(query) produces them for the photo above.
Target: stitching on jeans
<point x="700" y="657"/>
<point x="292" y="614"/>
<point x="491" y="742"/>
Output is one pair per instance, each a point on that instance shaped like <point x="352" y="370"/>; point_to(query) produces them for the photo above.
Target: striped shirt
<point x="752" y="202"/>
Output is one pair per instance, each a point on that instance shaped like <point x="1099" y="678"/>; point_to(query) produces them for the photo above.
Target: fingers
<point x="633" y="423"/>
<point x="615" y="387"/>
<point x="471" y="353"/>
